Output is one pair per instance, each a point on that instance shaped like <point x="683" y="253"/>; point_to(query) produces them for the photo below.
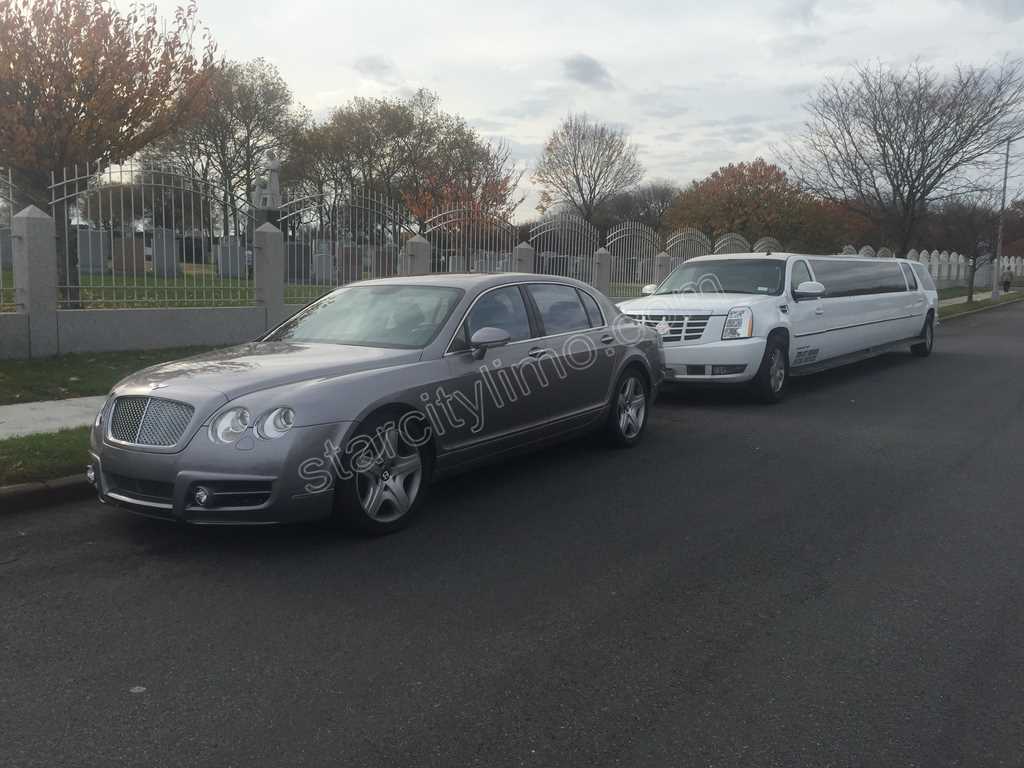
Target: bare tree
<point x="584" y="164"/>
<point x="890" y="142"/>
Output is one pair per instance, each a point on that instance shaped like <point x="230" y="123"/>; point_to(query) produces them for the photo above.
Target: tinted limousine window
<point x="858" y="278"/>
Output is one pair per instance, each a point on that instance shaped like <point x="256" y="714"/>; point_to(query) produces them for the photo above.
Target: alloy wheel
<point x="632" y="404"/>
<point x="390" y="477"/>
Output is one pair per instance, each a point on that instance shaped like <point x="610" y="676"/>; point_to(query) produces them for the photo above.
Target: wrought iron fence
<point x="633" y="247"/>
<point x="687" y="243"/>
<point x="565" y="245"/>
<point x="339" y="237"/>
<point x="467" y="240"/>
<point x="6" y="242"/>
<point x="149" y="234"/>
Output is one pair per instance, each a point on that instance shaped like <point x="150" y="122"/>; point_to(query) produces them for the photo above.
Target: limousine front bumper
<point x="736" y="360"/>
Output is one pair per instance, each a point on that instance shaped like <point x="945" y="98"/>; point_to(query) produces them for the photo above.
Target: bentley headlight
<point x="230" y="425"/>
<point x="275" y="423"/>
<point x="739" y="324"/>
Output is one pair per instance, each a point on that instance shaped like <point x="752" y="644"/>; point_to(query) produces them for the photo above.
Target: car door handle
<point x="538" y="352"/>
<point x="819" y="311"/>
<point x="607" y="339"/>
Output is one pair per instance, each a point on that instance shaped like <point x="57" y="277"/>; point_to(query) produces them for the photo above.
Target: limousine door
<point x="808" y="321"/>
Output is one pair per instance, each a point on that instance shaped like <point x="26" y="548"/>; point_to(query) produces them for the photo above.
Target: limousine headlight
<point x="739" y="324"/>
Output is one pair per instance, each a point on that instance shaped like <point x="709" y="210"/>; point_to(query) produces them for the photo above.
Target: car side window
<point x="801" y="274"/>
<point x="593" y="310"/>
<point x="559" y="307"/>
<point x="502" y="308"/>
<point x="909" y="274"/>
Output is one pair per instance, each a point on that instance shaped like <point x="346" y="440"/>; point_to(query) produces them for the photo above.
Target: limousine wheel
<point x="924" y="348"/>
<point x="388" y="479"/>
<point x="628" y="414"/>
<point x="772" y="377"/>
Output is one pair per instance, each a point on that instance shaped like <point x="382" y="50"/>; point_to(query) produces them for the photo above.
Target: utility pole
<point x="996" y="274"/>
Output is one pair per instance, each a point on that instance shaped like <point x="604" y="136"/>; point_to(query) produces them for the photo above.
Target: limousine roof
<point x="787" y="256"/>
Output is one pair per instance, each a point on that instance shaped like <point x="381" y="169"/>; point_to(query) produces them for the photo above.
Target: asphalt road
<point x="838" y="580"/>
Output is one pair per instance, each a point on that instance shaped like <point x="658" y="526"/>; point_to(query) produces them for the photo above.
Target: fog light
<point x="90" y="474"/>
<point x="202" y="496"/>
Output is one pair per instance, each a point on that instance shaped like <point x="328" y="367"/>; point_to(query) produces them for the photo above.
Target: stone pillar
<point x="523" y="258"/>
<point x="662" y="266"/>
<point x="415" y="257"/>
<point x="268" y="272"/>
<point x="35" y="279"/>
<point x="603" y="271"/>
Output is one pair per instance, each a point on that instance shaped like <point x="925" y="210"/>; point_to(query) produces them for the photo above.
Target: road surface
<point x="838" y="580"/>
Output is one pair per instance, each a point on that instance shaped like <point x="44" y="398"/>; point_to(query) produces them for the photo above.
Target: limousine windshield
<point x="761" y="277"/>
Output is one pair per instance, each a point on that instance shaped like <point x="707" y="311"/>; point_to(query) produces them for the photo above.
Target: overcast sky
<point x="696" y="84"/>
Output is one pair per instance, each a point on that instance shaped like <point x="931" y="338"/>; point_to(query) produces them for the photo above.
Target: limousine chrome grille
<point x="680" y="327"/>
<point x="150" y="421"/>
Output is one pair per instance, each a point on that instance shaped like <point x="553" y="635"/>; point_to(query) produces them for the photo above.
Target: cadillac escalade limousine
<point x="760" y="318"/>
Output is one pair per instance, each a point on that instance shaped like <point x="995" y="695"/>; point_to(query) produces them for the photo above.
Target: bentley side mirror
<point x="647" y="290"/>
<point x="809" y="289"/>
<point x="488" y="338"/>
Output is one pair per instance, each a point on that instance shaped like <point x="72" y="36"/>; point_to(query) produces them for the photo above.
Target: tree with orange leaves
<point x="81" y="83"/>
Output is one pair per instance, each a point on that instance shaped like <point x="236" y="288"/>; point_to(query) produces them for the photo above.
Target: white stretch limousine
<point x="759" y="318"/>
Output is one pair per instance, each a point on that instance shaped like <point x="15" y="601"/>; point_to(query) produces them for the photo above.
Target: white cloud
<point x="678" y="72"/>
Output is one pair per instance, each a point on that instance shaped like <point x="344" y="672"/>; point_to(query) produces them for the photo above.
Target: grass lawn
<point x="958" y="309"/>
<point x="58" y="378"/>
<point x="43" y="457"/>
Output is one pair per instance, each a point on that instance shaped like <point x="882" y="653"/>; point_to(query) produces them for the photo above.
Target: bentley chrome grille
<point x="150" y="421"/>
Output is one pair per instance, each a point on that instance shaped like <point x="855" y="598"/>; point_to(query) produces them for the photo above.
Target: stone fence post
<point x="662" y="266"/>
<point x="523" y="258"/>
<point x="603" y="271"/>
<point x="415" y="257"/>
<point x="268" y="272"/>
<point x="35" y="279"/>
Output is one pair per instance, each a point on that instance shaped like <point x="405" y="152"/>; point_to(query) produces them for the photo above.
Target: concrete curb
<point x="15" y="498"/>
<point x="958" y="315"/>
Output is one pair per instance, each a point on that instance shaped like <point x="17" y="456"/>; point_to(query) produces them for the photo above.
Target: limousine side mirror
<point x="488" y="338"/>
<point x="809" y="289"/>
<point x="647" y="290"/>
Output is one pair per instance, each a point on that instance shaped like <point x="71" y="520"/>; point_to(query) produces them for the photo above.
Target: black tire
<point x="380" y="452"/>
<point x="772" y="379"/>
<point x="628" y="410"/>
<point x="924" y="348"/>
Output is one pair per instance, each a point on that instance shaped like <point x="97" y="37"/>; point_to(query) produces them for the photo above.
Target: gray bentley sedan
<point x="347" y="410"/>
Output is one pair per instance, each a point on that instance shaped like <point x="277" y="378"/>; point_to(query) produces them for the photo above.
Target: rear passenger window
<point x="593" y="311"/>
<point x="858" y="278"/>
<point x="560" y="308"/>
<point x="909" y="274"/>
<point x="800" y="274"/>
<point x="924" y="277"/>
<point x="501" y="308"/>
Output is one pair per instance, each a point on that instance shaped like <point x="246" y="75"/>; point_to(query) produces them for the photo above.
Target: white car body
<point x="819" y="331"/>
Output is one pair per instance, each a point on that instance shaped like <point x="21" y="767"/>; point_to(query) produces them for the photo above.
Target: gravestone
<point x="296" y="262"/>
<point x="322" y="267"/>
<point x="231" y="258"/>
<point x="93" y="251"/>
<point x="164" y="248"/>
<point x="129" y="256"/>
